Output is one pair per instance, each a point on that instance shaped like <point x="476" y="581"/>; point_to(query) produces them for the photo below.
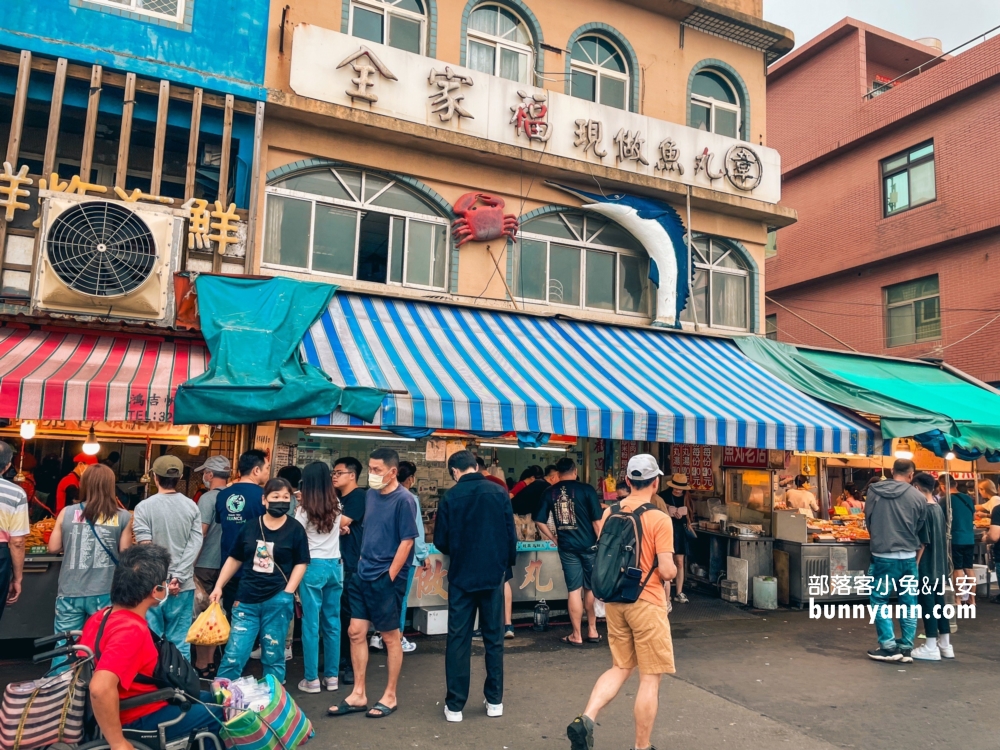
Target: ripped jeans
<point x="268" y="618"/>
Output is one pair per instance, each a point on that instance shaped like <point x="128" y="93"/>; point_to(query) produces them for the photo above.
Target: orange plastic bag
<point x="211" y="628"/>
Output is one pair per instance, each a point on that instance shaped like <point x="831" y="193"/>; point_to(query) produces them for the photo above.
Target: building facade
<point x="153" y="108"/>
<point x="895" y="249"/>
<point x="390" y="121"/>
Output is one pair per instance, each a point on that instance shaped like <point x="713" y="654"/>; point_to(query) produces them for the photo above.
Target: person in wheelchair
<point x="125" y="651"/>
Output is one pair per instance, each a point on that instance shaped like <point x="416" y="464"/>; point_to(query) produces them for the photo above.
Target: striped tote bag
<point x="280" y="726"/>
<point x="45" y="711"/>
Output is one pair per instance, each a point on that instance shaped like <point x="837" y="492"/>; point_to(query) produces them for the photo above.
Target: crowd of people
<point x="258" y="546"/>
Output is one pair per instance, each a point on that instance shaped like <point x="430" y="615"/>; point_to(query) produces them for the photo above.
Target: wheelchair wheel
<point x="105" y="745"/>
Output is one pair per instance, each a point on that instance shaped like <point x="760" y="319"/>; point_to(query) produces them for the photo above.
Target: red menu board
<point x="745" y="458"/>
<point x="696" y="462"/>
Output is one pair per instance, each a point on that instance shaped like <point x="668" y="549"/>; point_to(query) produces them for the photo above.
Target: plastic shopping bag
<point x="211" y="628"/>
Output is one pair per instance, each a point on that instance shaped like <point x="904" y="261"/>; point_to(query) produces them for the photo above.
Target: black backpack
<point x="172" y="669"/>
<point x="617" y="575"/>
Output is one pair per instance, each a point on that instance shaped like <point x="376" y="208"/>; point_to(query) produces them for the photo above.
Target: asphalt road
<point x="744" y="679"/>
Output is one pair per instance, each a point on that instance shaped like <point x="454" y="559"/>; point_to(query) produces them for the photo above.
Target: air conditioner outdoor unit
<point x="107" y="259"/>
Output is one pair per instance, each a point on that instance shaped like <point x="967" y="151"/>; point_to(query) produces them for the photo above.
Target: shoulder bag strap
<point x="100" y="634"/>
<point x="101" y="542"/>
<point x="260" y="520"/>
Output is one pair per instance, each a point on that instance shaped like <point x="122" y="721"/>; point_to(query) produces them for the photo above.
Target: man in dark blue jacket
<point x="475" y="528"/>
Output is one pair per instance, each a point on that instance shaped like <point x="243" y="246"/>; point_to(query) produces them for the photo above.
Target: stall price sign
<point x="696" y="462"/>
<point x="744" y="458"/>
<point x="629" y="449"/>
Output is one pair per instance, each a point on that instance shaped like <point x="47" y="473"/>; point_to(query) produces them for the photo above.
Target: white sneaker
<point x="681" y="598"/>
<point x="255" y="654"/>
<point x="309" y="686"/>
<point x="288" y="653"/>
<point x="376" y="642"/>
<point x="408" y="646"/>
<point x="332" y="683"/>
<point x="452" y="716"/>
<point x="493" y="710"/>
<point x="948" y="652"/>
<point x="926" y="653"/>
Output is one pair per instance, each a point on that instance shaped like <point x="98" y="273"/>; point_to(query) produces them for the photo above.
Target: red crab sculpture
<point x="481" y="218"/>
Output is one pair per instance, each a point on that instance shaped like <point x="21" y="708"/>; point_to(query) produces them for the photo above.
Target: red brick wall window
<point x="912" y="312"/>
<point x="908" y="179"/>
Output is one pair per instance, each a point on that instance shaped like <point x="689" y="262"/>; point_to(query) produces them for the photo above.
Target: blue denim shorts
<point x="577" y="568"/>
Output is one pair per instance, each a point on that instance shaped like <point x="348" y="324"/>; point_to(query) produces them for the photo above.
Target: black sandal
<point x="208" y="673"/>
<point x="381" y="711"/>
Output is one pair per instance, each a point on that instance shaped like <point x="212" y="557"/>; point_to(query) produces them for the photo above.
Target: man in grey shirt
<point x="216" y="471"/>
<point x="895" y="513"/>
<point x="171" y="520"/>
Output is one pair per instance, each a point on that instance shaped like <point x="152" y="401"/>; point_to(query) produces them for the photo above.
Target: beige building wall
<point x="296" y="129"/>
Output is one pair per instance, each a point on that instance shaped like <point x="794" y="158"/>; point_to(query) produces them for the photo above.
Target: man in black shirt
<point x="993" y="537"/>
<point x="577" y="511"/>
<point x="352" y="502"/>
<point x="529" y="500"/>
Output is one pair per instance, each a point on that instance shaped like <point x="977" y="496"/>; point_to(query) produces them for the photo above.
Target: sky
<point x="953" y="22"/>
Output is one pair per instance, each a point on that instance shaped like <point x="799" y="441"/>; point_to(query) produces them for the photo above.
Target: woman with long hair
<point x="319" y="512"/>
<point x="92" y="534"/>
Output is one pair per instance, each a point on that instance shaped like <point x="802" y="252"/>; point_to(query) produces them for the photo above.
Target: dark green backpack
<point x="617" y="575"/>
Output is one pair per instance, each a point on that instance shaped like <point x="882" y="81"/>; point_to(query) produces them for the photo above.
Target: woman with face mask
<point x="275" y="549"/>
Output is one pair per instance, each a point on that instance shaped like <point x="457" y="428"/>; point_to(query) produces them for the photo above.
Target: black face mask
<point x="277" y="510"/>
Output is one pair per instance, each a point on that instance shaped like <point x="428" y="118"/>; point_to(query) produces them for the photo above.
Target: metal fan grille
<point x="101" y="249"/>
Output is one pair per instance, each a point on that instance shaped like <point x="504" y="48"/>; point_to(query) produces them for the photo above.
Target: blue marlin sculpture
<point x="658" y="228"/>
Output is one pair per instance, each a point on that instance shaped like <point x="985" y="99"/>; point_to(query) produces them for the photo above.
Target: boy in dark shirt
<point x="932" y="563"/>
<point x="346" y="472"/>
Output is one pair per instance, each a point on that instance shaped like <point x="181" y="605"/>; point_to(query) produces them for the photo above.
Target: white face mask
<point x="166" y="593"/>
<point x="377" y="482"/>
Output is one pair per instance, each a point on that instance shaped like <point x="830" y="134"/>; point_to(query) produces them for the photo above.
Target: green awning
<point x="913" y="399"/>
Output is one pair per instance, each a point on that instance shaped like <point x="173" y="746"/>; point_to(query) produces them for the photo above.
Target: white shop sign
<point x="333" y="67"/>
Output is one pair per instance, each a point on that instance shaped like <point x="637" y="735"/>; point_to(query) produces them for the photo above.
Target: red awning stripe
<point x="80" y="376"/>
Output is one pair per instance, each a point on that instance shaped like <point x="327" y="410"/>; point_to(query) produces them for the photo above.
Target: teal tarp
<point x="254" y="330"/>
<point x="913" y="399"/>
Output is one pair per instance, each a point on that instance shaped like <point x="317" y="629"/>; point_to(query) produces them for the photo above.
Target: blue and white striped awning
<point x="449" y="367"/>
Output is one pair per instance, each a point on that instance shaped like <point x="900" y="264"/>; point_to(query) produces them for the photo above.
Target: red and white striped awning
<point x="81" y="376"/>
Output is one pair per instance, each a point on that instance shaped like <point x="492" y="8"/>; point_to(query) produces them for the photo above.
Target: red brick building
<point x="897" y="189"/>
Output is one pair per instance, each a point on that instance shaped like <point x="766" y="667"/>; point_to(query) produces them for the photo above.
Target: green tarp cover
<point x="911" y="398"/>
<point x="254" y="330"/>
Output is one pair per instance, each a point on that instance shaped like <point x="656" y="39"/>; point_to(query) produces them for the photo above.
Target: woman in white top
<point x="802" y="499"/>
<point x="988" y="494"/>
<point x="318" y="511"/>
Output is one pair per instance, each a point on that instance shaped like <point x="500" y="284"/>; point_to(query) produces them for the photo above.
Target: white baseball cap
<point x="643" y="466"/>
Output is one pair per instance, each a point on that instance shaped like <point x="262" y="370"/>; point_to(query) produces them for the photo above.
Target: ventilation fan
<point x="106" y="259"/>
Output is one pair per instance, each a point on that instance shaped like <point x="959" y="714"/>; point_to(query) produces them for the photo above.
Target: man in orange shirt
<point x="638" y="632"/>
<point x="68" y="491"/>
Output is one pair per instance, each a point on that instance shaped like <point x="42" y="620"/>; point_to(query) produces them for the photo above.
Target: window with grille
<point x="912" y="312"/>
<point x="358" y="225"/>
<point x="580" y="260"/>
<point x="908" y="179"/>
<point x="499" y="43"/>
<point x="720" y="288"/>
<point x="171" y="10"/>
<point x="598" y="72"/>
<point x="714" y="104"/>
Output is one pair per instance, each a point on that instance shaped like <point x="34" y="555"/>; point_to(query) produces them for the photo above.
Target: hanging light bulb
<point x="27" y="430"/>
<point x="949" y="456"/>
<point x="91" y="447"/>
<point x="194" y="436"/>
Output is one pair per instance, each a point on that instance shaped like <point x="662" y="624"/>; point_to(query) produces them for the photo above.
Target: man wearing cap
<point x="638" y="632"/>
<point x="68" y="490"/>
<point x="173" y="521"/>
<point x="215" y="475"/>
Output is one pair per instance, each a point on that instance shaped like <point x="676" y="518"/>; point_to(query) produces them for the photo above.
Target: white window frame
<point x="134" y="7"/>
<point x="499" y="43"/>
<point x="597" y="71"/>
<point x="386" y="8"/>
<point x="360" y="206"/>
<point x="912" y="304"/>
<point x="584" y="245"/>
<point x="714" y="104"/>
<point x="712" y="268"/>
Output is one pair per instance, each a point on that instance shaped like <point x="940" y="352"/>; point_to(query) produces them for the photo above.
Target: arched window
<point x="398" y="23"/>
<point x="360" y="225"/>
<point x="581" y="260"/>
<point x="721" y="284"/>
<point x="499" y="43"/>
<point x="598" y="72"/>
<point x="715" y="107"/>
